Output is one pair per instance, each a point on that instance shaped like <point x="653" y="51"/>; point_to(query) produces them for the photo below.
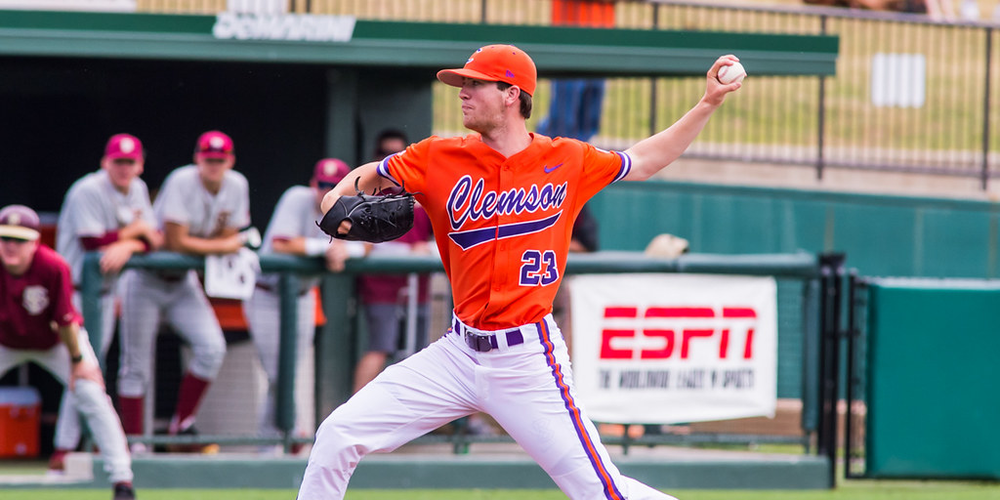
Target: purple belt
<point x="486" y="342"/>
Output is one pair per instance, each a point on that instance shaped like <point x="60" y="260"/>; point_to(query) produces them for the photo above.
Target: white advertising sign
<point x="231" y="275"/>
<point x="674" y="348"/>
<point x="269" y="26"/>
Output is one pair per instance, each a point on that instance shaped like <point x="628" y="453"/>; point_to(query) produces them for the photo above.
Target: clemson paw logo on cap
<point x="14" y="219"/>
<point x="510" y="74"/>
<point x="216" y="142"/>
<point x="126" y="145"/>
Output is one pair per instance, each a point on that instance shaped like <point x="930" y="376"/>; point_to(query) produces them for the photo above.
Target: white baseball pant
<point x="146" y="299"/>
<point x="68" y="426"/>
<point x="525" y="382"/>
<point x="91" y="401"/>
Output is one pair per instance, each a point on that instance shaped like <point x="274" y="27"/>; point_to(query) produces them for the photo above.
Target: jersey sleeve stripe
<point x="383" y="169"/>
<point x="625" y="168"/>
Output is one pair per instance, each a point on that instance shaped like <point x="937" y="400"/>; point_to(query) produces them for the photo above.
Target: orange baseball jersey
<point x="503" y="225"/>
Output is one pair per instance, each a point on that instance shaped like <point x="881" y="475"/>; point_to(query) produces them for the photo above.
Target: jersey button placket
<point x="501" y="271"/>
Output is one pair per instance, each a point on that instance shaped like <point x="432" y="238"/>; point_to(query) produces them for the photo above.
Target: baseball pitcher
<point x="502" y="202"/>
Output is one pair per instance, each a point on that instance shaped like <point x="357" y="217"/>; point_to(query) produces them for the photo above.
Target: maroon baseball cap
<point x="19" y="221"/>
<point x="123" y="146"/>
<point x="214" y="144"/>
<point x="495" y="63"/>
<point x="330" y="171"/>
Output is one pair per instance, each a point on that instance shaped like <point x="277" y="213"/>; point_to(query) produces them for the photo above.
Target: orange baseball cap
<point x="495" y="63"/>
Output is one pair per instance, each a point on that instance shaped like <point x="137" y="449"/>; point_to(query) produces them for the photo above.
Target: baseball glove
<point x="373" y="218"/>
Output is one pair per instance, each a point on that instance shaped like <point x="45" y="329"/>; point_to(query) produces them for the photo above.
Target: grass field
<point x="851" y="490"/>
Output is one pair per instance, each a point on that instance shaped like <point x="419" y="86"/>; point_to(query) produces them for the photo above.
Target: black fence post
<point x="652" y="81"/>
<point x="986" y="111"/>
<point x="821" y="113"/>
<point x="831" y="292"/>
<point x="853" y="337"/>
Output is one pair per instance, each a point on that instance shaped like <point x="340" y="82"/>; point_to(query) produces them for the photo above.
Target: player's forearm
<point x="69" y="334"/>
<point x="366" y="178"/>
<point x="135" y="246"/>
<point x="652" y="154"/>
<point x="204" y="246"/>
<point x="293" y="246"/>
<point x="132" y="231"/>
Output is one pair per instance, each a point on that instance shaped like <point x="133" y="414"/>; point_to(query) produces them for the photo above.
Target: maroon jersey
<point x="31" y="303"/>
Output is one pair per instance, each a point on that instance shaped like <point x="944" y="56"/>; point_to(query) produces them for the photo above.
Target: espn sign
<point x="668" y="348"/>
<point x="675" y="335"/>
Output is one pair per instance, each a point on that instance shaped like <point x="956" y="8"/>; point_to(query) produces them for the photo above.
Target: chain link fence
<point x="910" y="95"/>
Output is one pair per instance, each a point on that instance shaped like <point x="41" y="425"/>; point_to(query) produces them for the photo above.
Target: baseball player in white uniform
<point x="200" y="209"/>
<point x="502" y="201"/>
<point x="36" y="316"/>
<point x="107" y="211"/>
<point x="292" y="231"/>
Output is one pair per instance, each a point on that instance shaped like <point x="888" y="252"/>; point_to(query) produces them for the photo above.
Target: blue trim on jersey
<point x="473" y="237"/>
<point x="383" y="169"/>
<point x="625" y="168"/>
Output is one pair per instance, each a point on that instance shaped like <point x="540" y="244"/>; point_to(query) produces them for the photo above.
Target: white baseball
<point x="732" y="73"/>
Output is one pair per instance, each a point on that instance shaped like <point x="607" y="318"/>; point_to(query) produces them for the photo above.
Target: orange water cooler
<point x="20" y="412"/>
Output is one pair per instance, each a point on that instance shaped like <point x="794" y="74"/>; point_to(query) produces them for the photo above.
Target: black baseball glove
<point x="373" y="218"/>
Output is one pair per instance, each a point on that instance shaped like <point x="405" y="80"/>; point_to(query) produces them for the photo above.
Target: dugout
<point x="72" y="79"/>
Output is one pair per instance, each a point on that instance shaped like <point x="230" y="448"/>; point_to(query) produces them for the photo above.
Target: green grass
<point x="850" y="490"/>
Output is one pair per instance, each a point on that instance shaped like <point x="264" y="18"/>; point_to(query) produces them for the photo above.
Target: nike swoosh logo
<point x="549" y="170"/>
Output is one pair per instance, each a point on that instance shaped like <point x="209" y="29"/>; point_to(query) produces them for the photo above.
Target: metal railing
<point x="911" y="94"/>
<point x="798" y="304"/>
<point x="290" y="268"/>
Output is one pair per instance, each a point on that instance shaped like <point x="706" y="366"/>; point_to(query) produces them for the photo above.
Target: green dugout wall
<point x="928" y="361"/>
<point x="881" y="235"/>
<point x="930" y="375"/>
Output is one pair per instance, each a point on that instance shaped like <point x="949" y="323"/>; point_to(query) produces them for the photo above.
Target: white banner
<point x="231" y="275"/>
<point x="673" y="348"/>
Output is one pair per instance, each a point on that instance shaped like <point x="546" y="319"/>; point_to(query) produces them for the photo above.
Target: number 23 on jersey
<point x="539" y="268"/>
